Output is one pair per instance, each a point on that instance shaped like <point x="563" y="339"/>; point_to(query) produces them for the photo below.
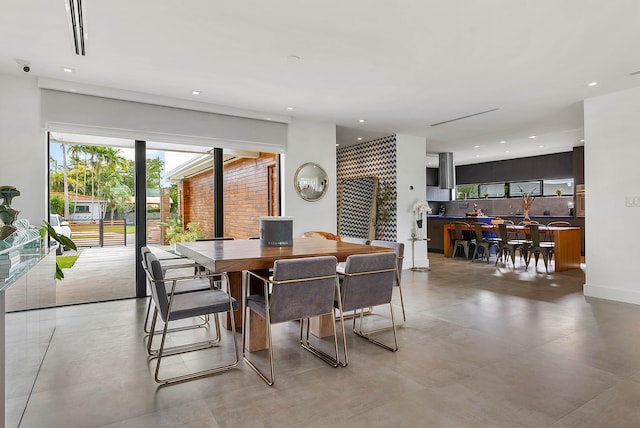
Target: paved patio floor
<point x="99" y="274"/>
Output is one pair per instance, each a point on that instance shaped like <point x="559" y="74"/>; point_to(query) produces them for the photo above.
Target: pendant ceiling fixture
<point x="76" y="18"/>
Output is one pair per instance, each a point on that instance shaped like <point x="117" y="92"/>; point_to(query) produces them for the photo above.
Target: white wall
<point x="612" y="151"/>
<point x="411" y="171"/>
<point x="23" y="158"/>
<point x="77" y="113"/>
<point x="310" y="142"/>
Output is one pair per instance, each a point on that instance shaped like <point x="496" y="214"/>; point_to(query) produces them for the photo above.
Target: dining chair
<point x="548" y="237"/>
<point x="174" y="263"/>
<point x="367" y="281"/>
<point x="398" y="249"/>
<point x="353" y="240"/>
<point x="298" y="290"/>
<point x="538" y="248"/>
<point x="508" y="247"/>
<point x="559" y="223"/>
<point x="481" y="242"/>
<point x="460" y="240"/>
<point x="170" y="307"/>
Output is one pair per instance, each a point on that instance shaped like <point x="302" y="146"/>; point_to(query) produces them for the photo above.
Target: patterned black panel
<point x="359" y="199"/>
<point x="375" y="158"/>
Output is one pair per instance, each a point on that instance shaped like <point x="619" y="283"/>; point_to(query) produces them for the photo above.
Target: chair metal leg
<point x="186" y="348"/>
<point x="268" y="380"/>
<point x="162" y="352"/>
<point x="365" y="335"/>
<point x="304" y="342"/>
<point x="404" y="316"/>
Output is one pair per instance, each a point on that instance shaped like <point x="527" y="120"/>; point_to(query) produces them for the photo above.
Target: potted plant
<point x="385" y="205"/>
<point x="176" y="232"/>
<point x="60" y="239"/>
<point x="419" y="208"/>
<point x="558" y="192"/>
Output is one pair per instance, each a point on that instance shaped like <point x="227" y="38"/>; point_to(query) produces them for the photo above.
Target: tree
<point x="56" y="204"/>
<point x="467" y="191"/>
<point x="105" y="164"/>
<point x="173" y="195"/>
<point x="74" y="155"/>
<point x="65" y="180"/>
<point x="155" y="167"/>
<point x="119" y="199"/>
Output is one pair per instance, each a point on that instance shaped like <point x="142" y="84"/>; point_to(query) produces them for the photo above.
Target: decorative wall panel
<point x="357" y="214"/>
<point x="376" y="158"/>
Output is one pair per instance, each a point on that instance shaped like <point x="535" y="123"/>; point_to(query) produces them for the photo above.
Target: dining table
<point x="235" y="256"/>
<point x="566" y="252"/>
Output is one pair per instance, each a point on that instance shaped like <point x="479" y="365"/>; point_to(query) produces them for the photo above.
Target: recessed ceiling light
<point x="290" y="108"/>
<point x="359" y="138"/>
<point x="582" y="140"/>
<point x="73" y="90"/>
<point x="502" y="142"/>
<point x="477" y="156"/>
<point x="196" y="92"/>
<point x="533" y="136"/>
<point x="592" y="83"/>
<point x="268" y="118"/>
<point x="476" y="147"/>
<point x="541" y="146"/>
<point x="67" y="69"/>
<point x="362" y="120"/>
<point x="506" y="151"/>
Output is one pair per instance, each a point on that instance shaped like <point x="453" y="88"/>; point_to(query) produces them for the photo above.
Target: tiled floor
<point x="482" y="347"/>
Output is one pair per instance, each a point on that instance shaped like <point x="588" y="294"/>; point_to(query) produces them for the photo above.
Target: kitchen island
<point x="436" y="223"/>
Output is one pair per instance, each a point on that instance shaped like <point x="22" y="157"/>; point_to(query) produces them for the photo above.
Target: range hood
<point x="446" y="171"/>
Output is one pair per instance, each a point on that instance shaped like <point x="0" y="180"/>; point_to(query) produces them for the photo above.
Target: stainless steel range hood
<point x="446" y="171"/>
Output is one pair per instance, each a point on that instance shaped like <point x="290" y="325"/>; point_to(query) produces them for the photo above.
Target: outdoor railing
<point x="99" y="233"/>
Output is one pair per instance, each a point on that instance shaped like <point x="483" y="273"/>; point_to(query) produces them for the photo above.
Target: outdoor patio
<point x="98" y="274"/>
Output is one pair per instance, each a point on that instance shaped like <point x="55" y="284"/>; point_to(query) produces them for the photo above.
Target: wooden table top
<point x="247" y="254"/>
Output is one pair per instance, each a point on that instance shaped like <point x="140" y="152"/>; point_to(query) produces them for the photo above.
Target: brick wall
<point x="246" y="197"/>
<point x="197" y="201"/>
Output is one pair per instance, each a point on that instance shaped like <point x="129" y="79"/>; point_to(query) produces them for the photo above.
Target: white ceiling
<point x="403" y="66"/>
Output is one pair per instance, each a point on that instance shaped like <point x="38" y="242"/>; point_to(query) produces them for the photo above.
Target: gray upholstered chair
<point x="398" y="249"/>
<point x="351" y="240"/>
<point x="172" y="262"/>
<point x="299" y="289"/>
<point x="367" y="281"/>
<point x="172" y="307"/>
